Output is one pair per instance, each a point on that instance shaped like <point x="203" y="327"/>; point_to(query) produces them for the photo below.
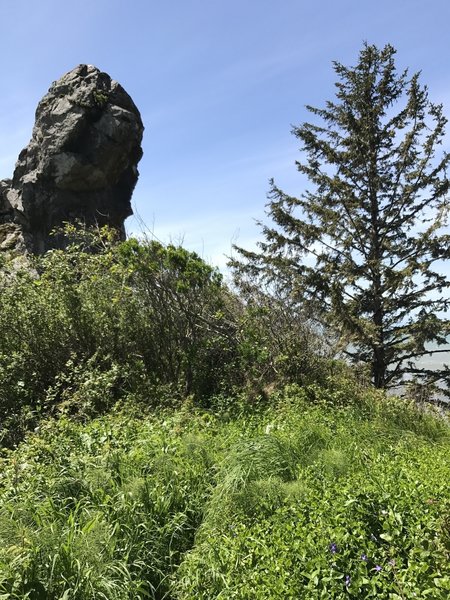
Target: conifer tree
<point x="364" y="245"/>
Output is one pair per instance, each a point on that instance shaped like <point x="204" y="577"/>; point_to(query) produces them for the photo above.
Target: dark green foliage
<point x="103" y="321"/>
<point x="82" y="329"/>
<point x="277" y="342"/>
<point x="190" y="334"/>
<point x="360" y="248"/>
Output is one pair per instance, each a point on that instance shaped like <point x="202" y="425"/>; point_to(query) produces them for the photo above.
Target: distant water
<point x="436" y="361"/>
<point x="432" y="362"/>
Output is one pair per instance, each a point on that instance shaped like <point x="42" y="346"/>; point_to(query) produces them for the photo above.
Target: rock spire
<point x="80" y="165"/>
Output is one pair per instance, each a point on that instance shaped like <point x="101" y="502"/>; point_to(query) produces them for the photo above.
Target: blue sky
<point x="219" y="85"/>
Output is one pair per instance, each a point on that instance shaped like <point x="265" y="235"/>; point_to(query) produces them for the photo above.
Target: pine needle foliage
<point x="364" y="244"/>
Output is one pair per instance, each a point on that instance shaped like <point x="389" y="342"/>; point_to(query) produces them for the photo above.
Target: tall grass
<point x="319" y="495"/>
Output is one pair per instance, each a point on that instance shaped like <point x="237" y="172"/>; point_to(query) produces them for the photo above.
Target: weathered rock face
<point x="80" y="165"/>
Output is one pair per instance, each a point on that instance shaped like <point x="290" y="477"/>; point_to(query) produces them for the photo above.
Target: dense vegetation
<point x="82" y="329"/>
<point x="165" y="454"/>
<point x="333" y="493"/>
<point x="166" y="436"/>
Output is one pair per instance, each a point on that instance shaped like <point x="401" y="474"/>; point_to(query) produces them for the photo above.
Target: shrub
<point x="98" y="321"/>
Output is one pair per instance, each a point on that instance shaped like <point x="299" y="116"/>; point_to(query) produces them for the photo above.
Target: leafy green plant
<point x="101" y="320"/>
<point x="302" y="498"/>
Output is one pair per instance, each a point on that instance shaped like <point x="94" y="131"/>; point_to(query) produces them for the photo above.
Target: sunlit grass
<point x="320" y="494"/>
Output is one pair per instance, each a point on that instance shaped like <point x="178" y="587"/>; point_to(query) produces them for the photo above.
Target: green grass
<point x="317" y="495"/>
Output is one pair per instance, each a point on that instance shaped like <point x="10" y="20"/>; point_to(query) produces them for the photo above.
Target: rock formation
<point x="80" y="165"/>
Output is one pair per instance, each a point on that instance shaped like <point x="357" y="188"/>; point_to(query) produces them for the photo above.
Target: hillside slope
<point x="319" y="493"/>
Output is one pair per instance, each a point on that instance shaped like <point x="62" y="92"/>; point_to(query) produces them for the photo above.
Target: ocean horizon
<point x="438" y="360"/>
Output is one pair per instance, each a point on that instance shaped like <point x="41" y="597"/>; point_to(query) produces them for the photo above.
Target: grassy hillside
<point x="318" y="493"/>
<point x="165" y="437"/>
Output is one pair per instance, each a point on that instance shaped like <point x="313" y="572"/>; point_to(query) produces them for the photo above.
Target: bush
<point x="100" y="321"/>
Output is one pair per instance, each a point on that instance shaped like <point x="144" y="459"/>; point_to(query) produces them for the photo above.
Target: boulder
<point x="80" y="165"/>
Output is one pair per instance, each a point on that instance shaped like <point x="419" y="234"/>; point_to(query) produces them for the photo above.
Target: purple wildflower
<point x="378" y="568"/>
<point x="364" y="557"/>
<point x="347" y="580"/>
<point x="333" y="548"/>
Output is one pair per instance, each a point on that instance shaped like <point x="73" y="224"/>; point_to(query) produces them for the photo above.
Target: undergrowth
<point x="318" y="494"/>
